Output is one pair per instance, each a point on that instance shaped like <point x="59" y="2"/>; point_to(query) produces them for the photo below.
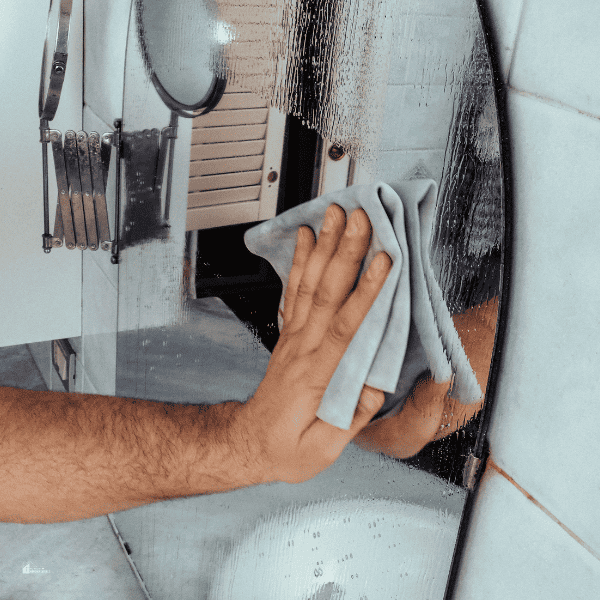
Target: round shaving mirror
<point x="178" y="43"/>
<point x="54" y="60"/>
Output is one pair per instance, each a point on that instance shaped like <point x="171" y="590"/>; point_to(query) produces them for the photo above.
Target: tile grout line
<point x="514" y="46"/>
<point x="552" y="102"/>
<point x="504" y="474"/>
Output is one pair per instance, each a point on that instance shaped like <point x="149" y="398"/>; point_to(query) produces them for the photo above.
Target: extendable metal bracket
<point x="117" y="141"/>
<point x="81" y="164"/>
<point x="169" y="132"/>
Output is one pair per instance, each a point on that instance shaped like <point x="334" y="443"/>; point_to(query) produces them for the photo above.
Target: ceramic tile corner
<point x="556" y="54"/>
<point x="543" y="432"/>
<point x="514" y="550"/>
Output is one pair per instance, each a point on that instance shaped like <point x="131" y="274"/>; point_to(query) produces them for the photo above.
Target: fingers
<point x="408" y="432"/>
<point x="420" y="419"/>
<point x="304" y="246"/>
<point x="339" y="276"/>
<point x="370" y="402"/>
<point x="336" y="439"/>
<point x="306" y="285"/>
<point x="348" y="319"/>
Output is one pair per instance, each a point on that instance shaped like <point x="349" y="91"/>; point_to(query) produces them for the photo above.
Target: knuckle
<point x="370" y="402"/>
<point x="300" y="258"/>
<point x="298" y="262"/>
<point x="352" y="251"/>
<point x="368" y="286"/>
<point x="341" y="329"/>
<point x="304" y="291"/>
<point x="323" y="298"/>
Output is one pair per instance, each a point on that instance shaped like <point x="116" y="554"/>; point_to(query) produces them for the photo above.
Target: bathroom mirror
<point x="196" y="314"/>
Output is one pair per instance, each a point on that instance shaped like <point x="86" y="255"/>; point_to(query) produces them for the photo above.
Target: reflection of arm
<point x="476" y="328"/>
<point x="429" y="413"/>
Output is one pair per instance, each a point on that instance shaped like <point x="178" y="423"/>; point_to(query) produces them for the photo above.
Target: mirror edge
<point x="482" y="450"/>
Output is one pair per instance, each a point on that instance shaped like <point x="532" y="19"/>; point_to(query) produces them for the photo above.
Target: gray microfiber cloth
<point x="409" y="330"/>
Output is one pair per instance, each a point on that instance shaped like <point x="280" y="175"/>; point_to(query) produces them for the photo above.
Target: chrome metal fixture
<point x="81" y="161"/>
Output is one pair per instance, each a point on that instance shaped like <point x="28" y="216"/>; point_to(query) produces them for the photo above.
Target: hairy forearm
<point x="65" y="457"/>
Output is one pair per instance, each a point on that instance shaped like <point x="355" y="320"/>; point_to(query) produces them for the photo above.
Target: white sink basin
<point x="358" y="549"/>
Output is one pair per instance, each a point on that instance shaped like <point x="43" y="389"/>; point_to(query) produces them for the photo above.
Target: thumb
<point x="370" y="402"/>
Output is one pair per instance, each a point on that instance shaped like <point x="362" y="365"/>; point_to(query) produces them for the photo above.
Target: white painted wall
<point x="40" y="294"/>
<point x="536" y="531"/>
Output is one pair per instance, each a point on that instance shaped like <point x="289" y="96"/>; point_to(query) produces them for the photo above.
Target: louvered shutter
<point x="234" y="149"/>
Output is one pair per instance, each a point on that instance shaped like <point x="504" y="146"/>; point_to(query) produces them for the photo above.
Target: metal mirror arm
<point x="168" y="133"/>
<point x="81" y="165"/>
<point x="46" y="237"/>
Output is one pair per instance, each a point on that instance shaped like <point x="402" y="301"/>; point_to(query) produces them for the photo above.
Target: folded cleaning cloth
<point x="408" y="331"/>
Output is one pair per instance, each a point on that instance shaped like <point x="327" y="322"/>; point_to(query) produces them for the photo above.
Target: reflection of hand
<point x="321" y="316"/>
<point x="429" y="413"/>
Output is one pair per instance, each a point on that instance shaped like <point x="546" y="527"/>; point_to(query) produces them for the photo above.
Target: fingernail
<point x="329" y="219"/>
<point x="380" y="263"/>
<point x="353" y="224"/>
<point x="304" y="233"/>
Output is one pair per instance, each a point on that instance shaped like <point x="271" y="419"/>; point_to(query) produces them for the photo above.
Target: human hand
<point x="429" y="413"/>
<point x="408" y="432"/>
<point x="321" y="315"/>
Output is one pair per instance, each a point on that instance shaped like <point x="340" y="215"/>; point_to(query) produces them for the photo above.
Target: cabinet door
<point x="235" y="162"/>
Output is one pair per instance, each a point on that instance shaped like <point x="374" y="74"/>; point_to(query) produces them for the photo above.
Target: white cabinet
<point x="40" y="294"/>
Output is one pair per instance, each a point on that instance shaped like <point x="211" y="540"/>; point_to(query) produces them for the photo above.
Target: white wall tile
<point x="430" y="49"/>
<point x="505" y="16"/>
<point x="556" y="55"/>
<point x="396" y="165"/>
<point x="453" y="8"/>
<point x="427" y="116"/>
<point x="514" y="551"/>
<point x="544" y="432"/>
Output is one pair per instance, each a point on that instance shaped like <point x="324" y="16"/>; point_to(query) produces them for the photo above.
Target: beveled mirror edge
<point x="481" y="450"/>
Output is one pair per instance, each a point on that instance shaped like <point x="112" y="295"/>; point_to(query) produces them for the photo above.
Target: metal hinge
<point x="471" y="472"/>
<point x="169" y="132"/>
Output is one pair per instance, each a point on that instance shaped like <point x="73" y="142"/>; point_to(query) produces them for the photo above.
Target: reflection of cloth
<point x="409" y="328"/>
